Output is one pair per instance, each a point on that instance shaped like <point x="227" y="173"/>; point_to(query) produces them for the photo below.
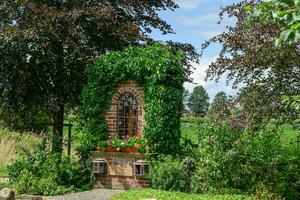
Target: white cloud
<point x="211" y="87"/>
<point x="189" y="4"/>
<point x="205" y="25"/>
<point x="198" y="20"/>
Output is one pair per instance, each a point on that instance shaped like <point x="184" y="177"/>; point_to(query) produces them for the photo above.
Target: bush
<point x="230" y="157"/>
<point x="42" y="172"/>
<point x="169" y="174"/>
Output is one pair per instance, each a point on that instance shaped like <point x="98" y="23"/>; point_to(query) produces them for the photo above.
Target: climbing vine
<point x="159" y="71"/>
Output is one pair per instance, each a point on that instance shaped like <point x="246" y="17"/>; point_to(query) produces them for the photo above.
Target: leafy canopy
<point x="250" y="59"/>
<point x="286" y="13"/>
<point x="283" y="12"/>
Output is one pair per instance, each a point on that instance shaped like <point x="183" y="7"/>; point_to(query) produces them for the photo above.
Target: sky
<point x="194" y="22"/>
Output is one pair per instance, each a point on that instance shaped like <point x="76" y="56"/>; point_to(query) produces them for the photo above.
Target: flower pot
<point x="130" y="150"/>
<point x="111" y="149"/>
<point x="99" y="148"/>
<point x="137" y="137"/>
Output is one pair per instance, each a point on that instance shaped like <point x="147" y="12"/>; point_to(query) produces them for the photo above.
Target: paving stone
<point x="96" y="194"/>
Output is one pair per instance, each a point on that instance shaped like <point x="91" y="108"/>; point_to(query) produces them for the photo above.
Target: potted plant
<point x="101" y="146"/>
<point x="130" y="146"/>
<point x="134" y="146"/>
<point x="115" y="145"/>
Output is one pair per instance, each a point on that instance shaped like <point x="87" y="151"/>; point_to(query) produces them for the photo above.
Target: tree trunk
<point x="58" y="118"/>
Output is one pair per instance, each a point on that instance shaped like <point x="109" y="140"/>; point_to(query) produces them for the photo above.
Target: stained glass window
<point x="127" y="115"/>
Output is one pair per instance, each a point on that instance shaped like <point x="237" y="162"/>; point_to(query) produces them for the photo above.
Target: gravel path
<point x="96" y="194"/>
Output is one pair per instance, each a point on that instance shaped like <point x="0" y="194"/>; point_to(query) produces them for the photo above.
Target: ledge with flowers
<point x="129" y="144"/>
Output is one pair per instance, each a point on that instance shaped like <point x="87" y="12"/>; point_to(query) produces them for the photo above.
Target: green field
<point x="163" y="195"/>
<point x="288" y="134"/>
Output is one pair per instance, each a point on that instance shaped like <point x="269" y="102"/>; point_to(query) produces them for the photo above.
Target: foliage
<point x="159" y="71"/>
<point x="283" y="12"/>
<point x="163" y="195"/>
<point x="221" y="104"/>
<point x="250" y="59"/>
<point x="169" y="174"/>
<point x="30" y="120"/>
<point x="198" y="101"/>
<point x="292" y="101"/>
<point x="43" y="172"/>
<point x="3" y="171"/>
<point x="117" y="143"/>
<point x="230" y="157"/>
<point x="220" y="97"/>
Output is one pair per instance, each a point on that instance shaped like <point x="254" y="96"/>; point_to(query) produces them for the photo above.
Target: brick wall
<point x="111" y="116"/>
<point x="119" y="173"/>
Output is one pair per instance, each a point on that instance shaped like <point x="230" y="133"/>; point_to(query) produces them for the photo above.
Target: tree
<point x="220" y="104"/>
<point x="198" y="101"/>
<point x="186" y="95"/>
<point x="45" y="46"/>
<point x="219" y="97"/>
<point x="286" y="13"/>
<point x="249" y="57"/>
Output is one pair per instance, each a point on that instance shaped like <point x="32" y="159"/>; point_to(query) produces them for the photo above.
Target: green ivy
<point x="159" y="71"/>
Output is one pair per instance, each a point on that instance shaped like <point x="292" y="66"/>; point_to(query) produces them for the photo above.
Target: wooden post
<point x="69" y="139"/>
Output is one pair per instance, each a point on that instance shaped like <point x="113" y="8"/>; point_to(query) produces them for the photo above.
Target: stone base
<point x="118" y="182"/>
<point x="120" y="171"/>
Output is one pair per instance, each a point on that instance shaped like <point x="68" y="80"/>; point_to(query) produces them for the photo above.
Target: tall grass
<point x="11" y="142"/>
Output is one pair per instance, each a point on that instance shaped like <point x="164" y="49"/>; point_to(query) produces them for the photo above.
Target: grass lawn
<point x="163" y="195"/>
<point x="3" y="171"/>
<point x="189" y="130"/>
<point x="4" y="185"/>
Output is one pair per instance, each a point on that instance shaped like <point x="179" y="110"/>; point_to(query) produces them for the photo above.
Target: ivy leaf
<point x="284" y="35"/>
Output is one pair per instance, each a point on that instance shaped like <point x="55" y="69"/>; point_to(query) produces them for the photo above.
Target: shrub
<point x="169" y="174"/>
<point x="230" y="157"/>
<point x="42" y="172"/>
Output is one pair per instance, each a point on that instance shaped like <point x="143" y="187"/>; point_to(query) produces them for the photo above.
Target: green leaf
<point x="284" y="35"/>
<point x="295" y="26"/>
<point x="257" y="13"/>
<point x="277" y="42"/>
<point x="248" y="8"/>
<point x="249" y="21"/>
<point x="297" y="3"/>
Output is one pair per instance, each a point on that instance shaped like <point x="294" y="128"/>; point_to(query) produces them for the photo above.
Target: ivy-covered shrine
<point x="133" y="98"/>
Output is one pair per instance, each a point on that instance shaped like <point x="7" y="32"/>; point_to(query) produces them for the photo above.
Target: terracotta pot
<point x="99" y="148"/>
<point x="111" y="149"/>
<point x="130" y="150"/>
<point x="137" y="137"/>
